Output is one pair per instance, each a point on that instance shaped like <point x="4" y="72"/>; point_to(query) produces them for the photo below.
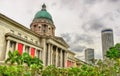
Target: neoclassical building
<point x="39" y="40"/>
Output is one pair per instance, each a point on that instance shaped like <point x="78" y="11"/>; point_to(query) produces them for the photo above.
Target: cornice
<point x="18" y="25"/>
<point x="58" y="41"/>
<point x="22" y="39"/>
<point x="71" y="52"/>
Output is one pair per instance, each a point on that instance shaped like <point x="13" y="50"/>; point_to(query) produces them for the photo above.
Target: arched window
<point x="44" y="28"/>
<point x="39" y="27"/>
<point x="35" y="26"/>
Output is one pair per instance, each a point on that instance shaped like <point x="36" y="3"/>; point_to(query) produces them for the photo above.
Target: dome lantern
<point x="43" y="7"/>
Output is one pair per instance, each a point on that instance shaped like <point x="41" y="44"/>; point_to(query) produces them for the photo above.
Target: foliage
<point x="107" y="67"/>
<point x="15" y="57"/>
<point x="17" y="65"/>
<point x="50" y="71"/>
<point x="114" y="52"/>
<point x="12" y="70"/>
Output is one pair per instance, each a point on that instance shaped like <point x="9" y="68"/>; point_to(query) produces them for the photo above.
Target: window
<point x="32" y="40"/>
<point x="39" y="27"/>
<point x="27" y="49"/>
<point x="11" y="43"/>
<point x="26" y="37"/>
<point x="42" y="20"/>
<point x="38" y="53"/>
<point x="44" y="31"/>
<point x="35" y="26"/>
<point x="19" y="34"/>
<point x="36" y="42"/>
<point x="12" y="31"/>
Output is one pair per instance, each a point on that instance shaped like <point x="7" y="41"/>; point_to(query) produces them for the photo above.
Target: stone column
<point x="51" y="53"/>
<point x="56" y="56"/>
<point x="7" y="49"/>
<point x="23" y="48"/>
<point x="16" y="46"/>
<point x="44" y="50"/>
<point x="49" y="59"/>
<point x="36" y="53"/>
<point x="65" y="60"/>
<point x="30" y="50"/>
<point x="61" y="58"/>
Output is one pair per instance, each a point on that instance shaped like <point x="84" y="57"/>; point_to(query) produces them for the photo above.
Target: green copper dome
<point x="43" y="13"/>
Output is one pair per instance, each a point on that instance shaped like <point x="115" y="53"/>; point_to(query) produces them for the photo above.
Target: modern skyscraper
<point x="107" y="40"/>
<point x="89" y="55"/>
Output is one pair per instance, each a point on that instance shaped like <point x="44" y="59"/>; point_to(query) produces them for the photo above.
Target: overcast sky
<point x="79" y="22"/>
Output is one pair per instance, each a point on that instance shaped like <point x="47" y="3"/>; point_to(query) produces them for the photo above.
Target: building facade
<point x="107" y="40"/>
<point x="39" y="40"/>
<point x="71" y="62"/>
<point x="79" y="63"/>
<point x="89" y="55"/>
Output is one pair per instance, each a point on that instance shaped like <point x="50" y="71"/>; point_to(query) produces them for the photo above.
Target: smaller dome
<point x="43" y="13"/>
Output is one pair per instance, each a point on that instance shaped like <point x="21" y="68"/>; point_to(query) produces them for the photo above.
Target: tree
<point x="34" y="65"/>
<point x="14" y="58"/>
<point x="114" y="52"/>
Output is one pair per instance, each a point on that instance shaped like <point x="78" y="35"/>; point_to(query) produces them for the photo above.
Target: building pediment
<point x="57" y="43"/>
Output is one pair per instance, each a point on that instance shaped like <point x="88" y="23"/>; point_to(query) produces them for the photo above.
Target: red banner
<point x="20" y="48"/>
<point x="32" y="52"/>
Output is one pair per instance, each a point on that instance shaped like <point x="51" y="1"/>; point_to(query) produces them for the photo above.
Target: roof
<point x="3" y="17"/>
<point x="43" y="14"/>
<point x="61" y="40"/>
<point x="71" y="52"/>
<point x="80" y="61"/>
<point x="107" y="30"/>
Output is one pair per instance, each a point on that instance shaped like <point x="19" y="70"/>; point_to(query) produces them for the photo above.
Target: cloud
<point x="113" y="0"/>
<point x="76" y="41"/>
<point x="93" y="25"/>
<point x="77" y="48"/>
<point x="66" y="36"/>
<point x="92" y="1"/>
<point x="83" y="38"/>
<point x="70" y="3"/>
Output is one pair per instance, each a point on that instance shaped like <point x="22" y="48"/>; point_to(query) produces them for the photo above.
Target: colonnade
<point x="55" y="56"/>
<point x="13" y="45"/>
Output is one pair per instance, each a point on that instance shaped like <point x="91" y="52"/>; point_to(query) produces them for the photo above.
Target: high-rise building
<point x="89" y="55"/>
<point x="107" y="40"/>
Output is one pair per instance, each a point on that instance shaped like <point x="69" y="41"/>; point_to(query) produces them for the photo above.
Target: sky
<point x="79" y="22"/>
